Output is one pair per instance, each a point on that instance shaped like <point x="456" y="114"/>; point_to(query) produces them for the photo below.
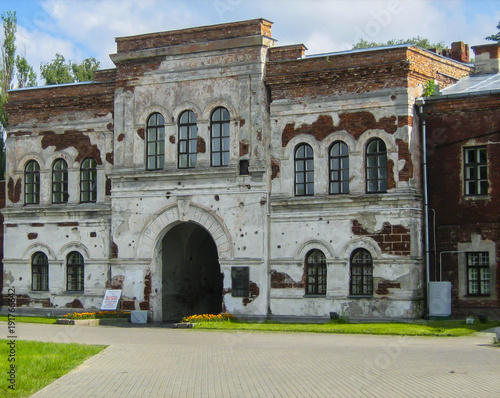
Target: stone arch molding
<point x="184" y="211"/>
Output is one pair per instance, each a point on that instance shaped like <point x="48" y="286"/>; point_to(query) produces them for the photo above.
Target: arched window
<point x="361" y="273"/>
<point x="32" y="183"/>
<point x="155" y="142"/>
<point x="88" y="181"/>
<point x="339" y="168"/>
<point x="75" y="272"/>
<point x="304" y="170"/>
<point x="219" y="137"/>
<point x="39" y="272"/>
<point x="60" y="181"/>
<point x="316" y="272"/>
<point x="376" y="166"/>
<point x="188" y="140"/>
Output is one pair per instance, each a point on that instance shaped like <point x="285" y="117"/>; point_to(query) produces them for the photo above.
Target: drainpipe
<point x="420" y="103"/>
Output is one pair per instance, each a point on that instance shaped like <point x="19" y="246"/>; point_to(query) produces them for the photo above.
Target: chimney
<point x="460" y="52"/>
<point x="487" y="58"/>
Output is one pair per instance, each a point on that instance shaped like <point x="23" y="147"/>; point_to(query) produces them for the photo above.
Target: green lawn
<point x="31" y="319"/>
<point x="39" y="364"/>
<point x="421" y="328"/>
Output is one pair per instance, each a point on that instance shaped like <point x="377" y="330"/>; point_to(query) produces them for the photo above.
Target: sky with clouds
<point x="79" y="29"/>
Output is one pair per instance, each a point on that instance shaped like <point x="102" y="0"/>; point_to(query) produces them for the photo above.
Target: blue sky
<point x="79" y="29"/>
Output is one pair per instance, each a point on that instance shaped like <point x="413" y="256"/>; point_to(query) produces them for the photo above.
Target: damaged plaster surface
<point x="169" y="236"/>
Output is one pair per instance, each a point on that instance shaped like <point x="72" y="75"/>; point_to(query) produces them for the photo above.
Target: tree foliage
<point x="496" y="36"/>
<point x="26" y="76"/>
<point x="416" y="41"/>
<point x="60" y="71"/>
<point x="57" y="71"/>
<point x="9" y="20"/>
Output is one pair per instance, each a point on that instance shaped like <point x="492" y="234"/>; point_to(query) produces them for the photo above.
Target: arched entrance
<point x="191" y="275"/>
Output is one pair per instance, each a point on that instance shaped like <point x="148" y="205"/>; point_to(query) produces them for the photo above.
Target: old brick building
<point x="463" y="135"/>
<point x="213" y="170"/>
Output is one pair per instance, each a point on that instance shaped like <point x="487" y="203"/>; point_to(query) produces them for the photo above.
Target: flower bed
<point x="224" y="317"/>
<point x="97" y="315"/>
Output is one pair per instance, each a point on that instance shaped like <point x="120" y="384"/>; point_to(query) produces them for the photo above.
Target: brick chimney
<point x="460" y="51"/>
<point x="487" y="58"/>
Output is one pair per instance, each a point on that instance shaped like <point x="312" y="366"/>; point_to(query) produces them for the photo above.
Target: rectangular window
<point x="478" y="274"/>
<point x="475" y="171"/>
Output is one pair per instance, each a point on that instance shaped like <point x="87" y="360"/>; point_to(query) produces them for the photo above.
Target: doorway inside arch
<point x="191" y="280"/>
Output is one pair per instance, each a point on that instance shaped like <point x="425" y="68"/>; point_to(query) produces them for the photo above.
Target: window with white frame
<point x="478" y="273"/>
<point x="475" y="171"/>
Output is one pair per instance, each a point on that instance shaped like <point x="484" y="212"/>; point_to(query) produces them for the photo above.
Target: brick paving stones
<point x="163" y="362"/>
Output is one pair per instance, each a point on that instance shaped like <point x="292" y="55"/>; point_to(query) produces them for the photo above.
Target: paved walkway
<point x="162" y="362"/>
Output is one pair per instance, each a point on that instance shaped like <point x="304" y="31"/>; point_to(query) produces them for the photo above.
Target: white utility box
<point x="439" y="298"/>
<point x="139" y="316"/>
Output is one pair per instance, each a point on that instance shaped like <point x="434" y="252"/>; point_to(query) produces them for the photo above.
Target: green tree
<point x="8" y="51"/>
<point x="9" y="20"/>
<point x="57" y="71"/>
<point x="495" y="37"/>
<point x="84" y="72"/>
<point x="26" y="76"/>
<point x="416" y="41"/>
<point x="60" y="71"/>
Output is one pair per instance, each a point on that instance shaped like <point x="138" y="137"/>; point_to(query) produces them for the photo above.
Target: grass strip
<point x="429" y="328"/>
<point x="39" y="364"/>
<point x="31" y="319"/>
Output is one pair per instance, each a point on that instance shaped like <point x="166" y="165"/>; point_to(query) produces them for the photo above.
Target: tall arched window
<point x="188" y="140"/>
<point x="88" y="181"/>
<point x="60" y="181"/>
<point x="39" y="272"/>
<point x="361" y="273"/>
<point x="219" y="137"/>
<point x="316" y="273"/>
<point x="304" y="170"/>
<point x="155" y="142"/>
<point x="32" y="183"/>
<point x="339" y="168"/>
<point x="376" y="166"/>
<point x="75" y="272"/>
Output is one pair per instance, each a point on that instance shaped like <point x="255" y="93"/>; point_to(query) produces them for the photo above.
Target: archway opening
<point x="191" y="279"/>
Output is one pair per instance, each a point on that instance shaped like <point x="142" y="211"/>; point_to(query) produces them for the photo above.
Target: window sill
<point x="359" y="296"/>
<point x="74" y="292"/>
<point x="476" y="197"/>
<point x="314" y="296"/>
<point x="478" y="295"/>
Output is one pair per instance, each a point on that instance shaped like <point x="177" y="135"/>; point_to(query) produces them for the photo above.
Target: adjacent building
<point x="462" y="126"/>
<point x="212" y="170"/>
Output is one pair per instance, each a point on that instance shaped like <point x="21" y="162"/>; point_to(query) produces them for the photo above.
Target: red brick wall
<point x="359" y="72"/>
<point x="255" y="27"/>
<point x="451" y="125"/>
<point x="52" y="103"/>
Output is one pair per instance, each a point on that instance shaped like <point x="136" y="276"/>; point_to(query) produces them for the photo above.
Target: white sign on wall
<point x="111" y="298"/>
